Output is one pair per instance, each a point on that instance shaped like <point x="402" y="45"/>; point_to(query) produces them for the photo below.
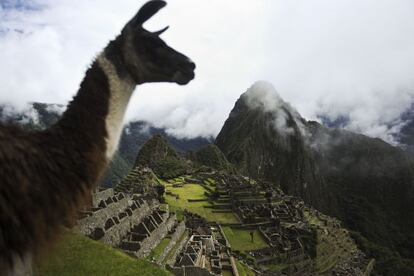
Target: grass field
<point x="78" y="255"/>
<point x="157" y="251"/>
<point x="195" y="191"/>
<point x="277" y="267"/>
<point x="240" y="239"/>
<point x="244" y="270"/>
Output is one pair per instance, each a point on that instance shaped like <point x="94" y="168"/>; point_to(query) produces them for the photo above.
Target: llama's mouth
<point x="184" y="75"/>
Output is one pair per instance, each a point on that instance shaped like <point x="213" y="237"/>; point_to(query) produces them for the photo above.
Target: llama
<point x="46" y="176"/>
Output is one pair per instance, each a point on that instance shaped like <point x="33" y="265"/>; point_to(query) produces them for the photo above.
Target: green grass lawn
<point x="157" y="251"/>
<point x="277" y="267"/>
<point x="240" y="239"/>
<point x="243" y="269"/>
<point x="195" y="191"/>
<point x="76" y="255"/>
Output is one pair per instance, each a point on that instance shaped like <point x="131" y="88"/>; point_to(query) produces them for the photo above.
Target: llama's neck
<point x="120" y="92"/>
<point x="94" y="117"/>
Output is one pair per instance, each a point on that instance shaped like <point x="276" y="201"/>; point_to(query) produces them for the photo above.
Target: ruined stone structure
<point x="140" y="180"/>
<point x="194" y="246"/>
<point x="206" y="251"/>
<point x="147" y="234"/>
<point x="133" y="224"/>
<point x="282" y="223"/>
<point x="175" y="235"/>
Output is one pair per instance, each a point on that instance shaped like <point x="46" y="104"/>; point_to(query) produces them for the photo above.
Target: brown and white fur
<point x="46" y="176"/>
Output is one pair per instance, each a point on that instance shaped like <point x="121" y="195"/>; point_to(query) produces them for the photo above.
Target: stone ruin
<point x="137" y="223"/>
<point x="206" y="252"/>
<point x="281" y="221"/>
<point x="140" y="180"/>
<point x="129" y="222"/>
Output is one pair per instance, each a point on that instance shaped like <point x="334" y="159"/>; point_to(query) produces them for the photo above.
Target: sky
<point x="342" y="58"/>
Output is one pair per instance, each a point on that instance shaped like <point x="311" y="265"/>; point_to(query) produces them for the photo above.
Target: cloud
<point x="336" y="58"/>
<point x="26" y="114"/>
<point x="264" y="96"/>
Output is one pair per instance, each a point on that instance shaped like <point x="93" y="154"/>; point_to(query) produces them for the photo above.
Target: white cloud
<point x="334" y="57"/>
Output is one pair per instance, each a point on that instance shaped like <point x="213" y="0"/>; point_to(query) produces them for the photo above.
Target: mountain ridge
<point x="364" y="181"/>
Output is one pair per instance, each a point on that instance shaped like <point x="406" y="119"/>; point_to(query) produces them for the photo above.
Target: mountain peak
<point x="262" y="94"/>
<point x="158" y="155"/>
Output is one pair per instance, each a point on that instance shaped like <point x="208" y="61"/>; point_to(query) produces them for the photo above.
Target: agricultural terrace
<point x="182" y="196"/>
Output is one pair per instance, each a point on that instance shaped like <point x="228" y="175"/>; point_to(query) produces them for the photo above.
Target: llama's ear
<point x="146" y="12"/>
<point x="161" y="31"/>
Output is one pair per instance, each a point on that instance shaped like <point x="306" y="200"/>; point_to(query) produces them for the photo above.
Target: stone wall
<point x="179" y="230"/>
<point x="99" y="217"/>
<point x="102" y="195"/>
<point x="180" y="247"/>
<point x="113" y="216"/>
<point x="190" y="271"/>
<point x="114" y="235"/>
<point x="168" y="222"/>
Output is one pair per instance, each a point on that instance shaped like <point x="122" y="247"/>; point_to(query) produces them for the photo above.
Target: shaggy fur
<point x="47" y="176"/>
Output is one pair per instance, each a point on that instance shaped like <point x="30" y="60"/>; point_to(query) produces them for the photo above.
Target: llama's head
<point x="144" y="55"/>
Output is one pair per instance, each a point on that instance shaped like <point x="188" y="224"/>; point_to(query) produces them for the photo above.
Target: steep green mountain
<point x="136" y="133"/>
<point x="269" y="144"/>
<point x="159" y="156"/>
<point x="365" y="182"/>
<point x="210" y="156"/>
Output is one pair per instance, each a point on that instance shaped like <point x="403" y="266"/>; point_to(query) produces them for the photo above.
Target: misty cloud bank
<point x="333" y="59"/>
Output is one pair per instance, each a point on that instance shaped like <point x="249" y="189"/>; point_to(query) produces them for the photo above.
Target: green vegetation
<point x="277" y="267"/>
<point x="240" y="239"/>
<point x="211" y="156"/>
<point x="158" y="155"/>
<point x="332" y="244"/>
<point x="177" y="198"/>
<point x="157" y="251"/>
<point x="313" y="220"/>
<point x="226" y="273"/>
<point x="139" y="180"/>
<point x="175" y="248"/>
<point x="78" y="255"/>
<point x="243" y="269"/>
<point x="118" y="169"/>
<point x="388" y="262"/>
<point x="370" y="181"/>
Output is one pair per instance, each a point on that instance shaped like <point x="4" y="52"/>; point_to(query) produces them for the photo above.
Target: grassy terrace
<point x="157" y="251"/>
<point x="277" y="267"/>
<point x="243" y="269"/>
<point x="240" y="239"/>
<point x="78" y="255"/>
<point x="175" y="248"/>
<point x="332" y="244"/>
<point x="179" y="201"/>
